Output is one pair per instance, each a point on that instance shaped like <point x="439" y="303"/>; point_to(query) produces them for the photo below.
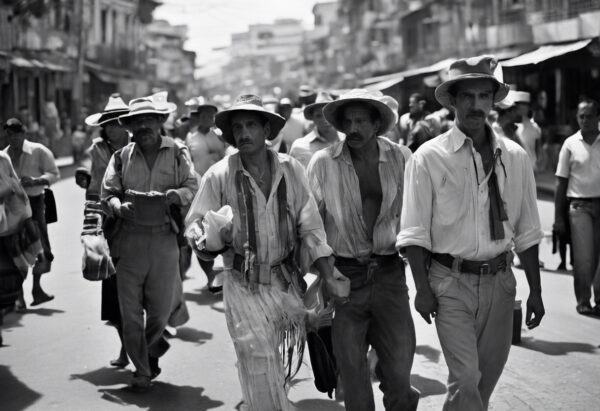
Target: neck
<point x="256" y="160"/>
<point x="369" y="151"/>
<point x="203" y="130"/>
<point x="151" y="148"/>
<point x="479" y="136"/>
<point x="590" y="136"/>
<point x="329" y="134"/>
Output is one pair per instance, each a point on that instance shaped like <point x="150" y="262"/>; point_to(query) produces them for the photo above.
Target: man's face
<point x="415" y="106"/>
<point x="145" y="129"/>
<point x="249" y="133"/>
<point x="319" y="120"/>
<point x="24" y="115"/>
<point x="472" y="103"/>
<point x="205" y="117"/>
<point x="358" y="126"/>
<point x="587" y="118"/>
<point x="15" y="138"/>
<point x="117" y="134"/>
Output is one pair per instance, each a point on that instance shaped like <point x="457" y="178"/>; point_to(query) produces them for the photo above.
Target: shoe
<point x="562" y="267"/>
<point x="215" y="286"/>
<point x="41" y="298"/>
<point x="20" y="305"/>
<point x="585" y="309"/>
<point x="140" y="383"/>
<point x="154" y="368"/>
<point x="121" y="361"/>
<point x="596" y="310"/>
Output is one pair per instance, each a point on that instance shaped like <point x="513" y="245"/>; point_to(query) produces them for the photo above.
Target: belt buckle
<point x="484" y="269"/>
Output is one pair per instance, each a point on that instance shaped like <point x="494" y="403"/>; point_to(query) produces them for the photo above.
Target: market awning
<point x="389" y="80"/>
<point x="544" y="53"/>
<point x="31" y="63"/>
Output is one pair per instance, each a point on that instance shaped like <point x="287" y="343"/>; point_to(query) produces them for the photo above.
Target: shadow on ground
<point x="14" y="395"/>
<point x="13" y="319"/>
<point x="427" y="386"/>
<point x="162" y="397"/>
<point x="192" y="335"/>
<point x="432" y="354"/>
<point x="318" y="405"/>
<point x="556" y="348"/>
<point x="203" y="297"/>
<point x="105" y="376"/>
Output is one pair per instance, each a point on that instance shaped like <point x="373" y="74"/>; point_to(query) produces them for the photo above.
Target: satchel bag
<point x="97" y="264"/>
<point x="50" y="206"/>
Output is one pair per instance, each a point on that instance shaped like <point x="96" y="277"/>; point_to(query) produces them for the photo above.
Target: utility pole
<point x="77" y="97"/>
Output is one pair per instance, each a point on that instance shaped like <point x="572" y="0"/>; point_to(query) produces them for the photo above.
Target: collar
<point x="276" y="164"/>
<point x="341" y="149"/>
<point x="457" y="139"/>
<point x="27" y="147"/>
<point x="580" y="137"/>
<point x="165" y="143"/>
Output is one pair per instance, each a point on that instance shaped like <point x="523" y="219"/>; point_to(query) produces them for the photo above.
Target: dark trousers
<point x="378" y="314"/>
<point x="38" y="215"/>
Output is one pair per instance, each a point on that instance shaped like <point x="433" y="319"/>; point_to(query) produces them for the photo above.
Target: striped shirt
<point x="447" y="202"/>
<point x="335" y="186"/>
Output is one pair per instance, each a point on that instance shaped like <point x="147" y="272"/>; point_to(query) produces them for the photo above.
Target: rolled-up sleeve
<point x="308" y="220"/>
<point x="528" y="230"/>
<point x="188" y="183"/>
<point x="415" y="225"/>
<point x="48" y="166"/>
<point x="207" y="198"/>
<point x="564" y="162"/>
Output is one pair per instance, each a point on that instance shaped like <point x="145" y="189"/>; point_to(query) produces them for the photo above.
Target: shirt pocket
<point x="452" y="197"/>
<point x="165" y="179"/>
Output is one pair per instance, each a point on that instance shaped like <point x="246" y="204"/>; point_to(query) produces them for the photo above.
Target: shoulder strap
<point x="283" y="208"/>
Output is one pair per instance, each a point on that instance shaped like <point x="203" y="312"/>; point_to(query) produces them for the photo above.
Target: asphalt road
<point x="56" y="355"/>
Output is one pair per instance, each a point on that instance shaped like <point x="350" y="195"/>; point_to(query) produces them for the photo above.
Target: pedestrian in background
<point x="469" y="197"/>
<point x="418" y="125"/>
<point x="35" y="166"/>
<point x="358" y="186"/>
<point x="528" y="131"/>
<point x="293" y="128"/>
<point x="89" y="176"/>
<point x="578" y="197"/>
<point x="142" y="181"/>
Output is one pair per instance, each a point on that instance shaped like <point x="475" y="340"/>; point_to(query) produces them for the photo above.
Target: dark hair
<point x="373" y="112"/>
<point x="417" y="96"/>
<point x="590" y="102"/>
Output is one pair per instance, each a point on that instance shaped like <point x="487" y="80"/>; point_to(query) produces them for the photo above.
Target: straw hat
<point x="480" y="67"/>
<point x="154" y="104"/>
<point x="370" y="98"/>
<point x="323" y="98"/>
<point x="247" y="103"/>
<point x="521" y="96"/>
<point x="114" y="108"/>
<point x="196" y="103"/>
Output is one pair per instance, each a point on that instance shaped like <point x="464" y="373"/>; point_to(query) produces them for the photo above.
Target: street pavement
<point x="56" y="355"/>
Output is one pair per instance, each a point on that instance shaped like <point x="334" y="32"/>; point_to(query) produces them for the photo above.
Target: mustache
<point x="353" y="136"/>
<point x="476" y="113"/>
<point x="144" y="131"/>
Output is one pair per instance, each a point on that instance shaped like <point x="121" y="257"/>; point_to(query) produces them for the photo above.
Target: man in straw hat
<point x="143" y="180"/>
<point x="469" y="198"/>
<point x="358" y="187"/>
<point x="322" y="136"/>
<point x="89" y="175"/>
<point x="272" y="210"/>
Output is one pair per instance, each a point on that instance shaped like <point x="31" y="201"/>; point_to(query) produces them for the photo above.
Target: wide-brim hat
<point x="323" y="98"/>
<point x="252" y="104"/>
<point x="363" y="96"/>
<point x="520" y="96"/>
<point x="472" y="68"/>
<point x="196" y="103"/>
<point x="306" y="91"/>
<point x="154" y="104"/>
<point x="114" y="108"/>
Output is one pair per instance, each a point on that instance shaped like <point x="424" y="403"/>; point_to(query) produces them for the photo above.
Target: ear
<point x="267" y="130"/>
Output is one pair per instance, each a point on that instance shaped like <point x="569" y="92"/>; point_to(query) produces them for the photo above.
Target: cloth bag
<point x="97" y="264"/>
<point x="50" y="206"/>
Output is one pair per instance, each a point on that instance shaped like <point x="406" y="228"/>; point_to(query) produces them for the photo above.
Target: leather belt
<point x="381" y="260"/>
<point x="238" y="263"/>
<point x="490" y="267"/>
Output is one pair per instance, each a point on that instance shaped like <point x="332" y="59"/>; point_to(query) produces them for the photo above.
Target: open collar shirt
<point x="36" y="160"/>
<point x="218" y="188"/>
<point x="580" y="163"/>
<point x="128" y="169"/>
<point x="335" y="186"/>
<point x="205" y="149"/>
<point x="304" y="148"/>
<point x="446" y="199"/>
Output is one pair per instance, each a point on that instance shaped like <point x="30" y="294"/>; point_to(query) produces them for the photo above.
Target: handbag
<point x="97" y="264"/>
<point x="50" y="206"/>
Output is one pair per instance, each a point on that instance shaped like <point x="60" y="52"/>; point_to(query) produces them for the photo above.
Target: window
<point x="103" y="23"/>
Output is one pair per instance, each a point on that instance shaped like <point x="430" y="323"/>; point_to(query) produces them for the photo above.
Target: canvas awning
<point x="545" y="53"/>
<point x="389" y="80"/>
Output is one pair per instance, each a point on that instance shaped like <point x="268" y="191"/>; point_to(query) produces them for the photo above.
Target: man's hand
<point x="173" y="197"/>
<point x="535" y="307"/>
<point x="125" y="211"/>
<point x="32" y="181"/>
<point x="338" y="285"/>
<point x="82" y="179"/>
<point x="560" y="226"/>
<point x="426" y="303"/>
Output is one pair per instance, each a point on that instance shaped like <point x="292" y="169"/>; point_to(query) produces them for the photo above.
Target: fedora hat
<point x="473" y="68"/>
<point x="521" y="96"/>
<point x="114" y="108"/>
<point x="196" y="103"/>
<point x="155" y="104"/>
<point x="358" y="95"/>
<point x="305" y="91"/>
<point x="323" y="98"/>
<point x="248" y="103"/>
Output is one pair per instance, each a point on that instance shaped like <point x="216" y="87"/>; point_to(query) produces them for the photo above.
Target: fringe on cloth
<point x="268" y="333"/>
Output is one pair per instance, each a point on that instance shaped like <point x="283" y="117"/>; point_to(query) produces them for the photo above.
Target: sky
<point x="211" y="22"/>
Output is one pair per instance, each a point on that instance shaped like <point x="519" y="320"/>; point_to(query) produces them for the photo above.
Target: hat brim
<point x="166" y="111"/>
<point x="442" y="94"/>
<point x="309" y="110"/>
<point x="103" y="118"/>
<point x="223" y="121"/>
<point x="196" y="109"/>
<point x="388" y="117"/>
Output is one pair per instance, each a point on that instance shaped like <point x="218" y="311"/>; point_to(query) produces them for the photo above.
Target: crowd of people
<point x="362" y="192"/>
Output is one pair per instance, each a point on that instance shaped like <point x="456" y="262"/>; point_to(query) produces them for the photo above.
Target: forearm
<point x="324" y="267"/>
<point x="530" y="262"/>
<point x="418" y="258"/>
<point x="560" y="198"/>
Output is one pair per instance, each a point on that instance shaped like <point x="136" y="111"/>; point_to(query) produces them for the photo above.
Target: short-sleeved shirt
<point x="304" y="148"/>
<point x="579" y="162"/>
<point x="36" y="160"/>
